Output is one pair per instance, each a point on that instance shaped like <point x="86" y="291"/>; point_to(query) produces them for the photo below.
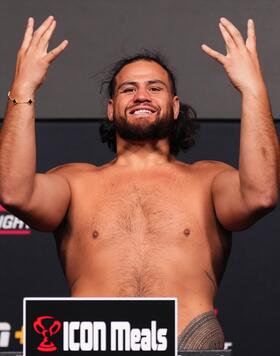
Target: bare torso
<point x="149" y="233"/>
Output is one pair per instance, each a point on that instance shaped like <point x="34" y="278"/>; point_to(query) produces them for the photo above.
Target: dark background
<point x="69" y="106"/>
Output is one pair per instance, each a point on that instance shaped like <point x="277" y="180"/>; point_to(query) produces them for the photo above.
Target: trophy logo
<point x="46" y="326"/>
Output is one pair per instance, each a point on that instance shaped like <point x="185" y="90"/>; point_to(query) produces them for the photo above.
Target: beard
<point x="143" y="130"/>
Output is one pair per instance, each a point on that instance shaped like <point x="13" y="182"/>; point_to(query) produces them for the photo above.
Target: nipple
<point x="187" y="232"/>
<point x="95" y="234"/>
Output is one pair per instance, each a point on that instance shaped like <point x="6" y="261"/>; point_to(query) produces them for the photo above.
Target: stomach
<point x="194" y="294"/>
<point x="145" y="270"/>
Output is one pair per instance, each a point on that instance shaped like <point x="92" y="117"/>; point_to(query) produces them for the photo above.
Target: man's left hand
<point x="241" y="61"/>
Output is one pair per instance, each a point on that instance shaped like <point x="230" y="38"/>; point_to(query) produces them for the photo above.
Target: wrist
<point x="254" y="90"/>
<point x="17" y="101"/>
<point x="22" y="91"/>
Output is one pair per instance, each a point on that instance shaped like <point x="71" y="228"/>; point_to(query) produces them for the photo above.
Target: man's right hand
<point x="33" y="59"/>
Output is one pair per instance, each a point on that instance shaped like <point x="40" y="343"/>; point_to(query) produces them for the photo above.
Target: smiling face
<point x="143" y="106"/>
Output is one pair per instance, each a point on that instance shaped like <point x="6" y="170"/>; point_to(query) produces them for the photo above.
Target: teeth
<point x="142" y="111"/>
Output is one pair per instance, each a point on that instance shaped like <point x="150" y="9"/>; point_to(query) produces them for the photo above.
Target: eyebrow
<point x="156" y="81"/>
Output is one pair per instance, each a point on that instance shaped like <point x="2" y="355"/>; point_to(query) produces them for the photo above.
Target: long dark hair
<point x="184" y="128"/>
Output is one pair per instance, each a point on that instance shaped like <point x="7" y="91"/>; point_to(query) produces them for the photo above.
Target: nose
<point x="142" y="95"/>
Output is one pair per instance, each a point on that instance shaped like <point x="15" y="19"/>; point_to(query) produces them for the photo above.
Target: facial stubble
<point x="141" y="130"/>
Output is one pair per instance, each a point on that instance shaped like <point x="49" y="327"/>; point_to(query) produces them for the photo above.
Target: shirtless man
<point x="144" y="224"/>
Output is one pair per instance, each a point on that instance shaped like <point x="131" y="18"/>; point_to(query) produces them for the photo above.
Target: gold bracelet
<point x="15" y="102"/>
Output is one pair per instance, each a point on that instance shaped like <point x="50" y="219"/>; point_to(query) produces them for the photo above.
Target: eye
<point x="128" y="90"/>
<point x="155" y="89"/>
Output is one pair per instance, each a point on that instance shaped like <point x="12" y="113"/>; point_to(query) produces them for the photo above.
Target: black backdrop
<point x="250" y="292"/>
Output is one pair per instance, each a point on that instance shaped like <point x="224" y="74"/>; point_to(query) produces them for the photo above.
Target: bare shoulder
<point x="212" y="167"/>
<point x="69" y="170"/>
<point x="207" y="169"/>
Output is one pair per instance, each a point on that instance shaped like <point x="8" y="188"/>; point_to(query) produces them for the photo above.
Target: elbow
<point x="261" y="203"/>
<point x="14" y="194"/>
<point x="5" y="198"/>
<point x="9" y="200"/>
<point x="267" y="202"/>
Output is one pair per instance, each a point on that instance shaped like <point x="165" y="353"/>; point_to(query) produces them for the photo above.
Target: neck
<point x="141" y="155"/>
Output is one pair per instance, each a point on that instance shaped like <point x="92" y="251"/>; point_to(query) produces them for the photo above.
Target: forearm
<point x="17" y="148"/>
<point x="17" y="139"/>
<point x="259" y="149"/>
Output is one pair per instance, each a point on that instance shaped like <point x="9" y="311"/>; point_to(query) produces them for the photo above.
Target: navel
<point x="95" y="234"/>
<point x="187" y="232"/>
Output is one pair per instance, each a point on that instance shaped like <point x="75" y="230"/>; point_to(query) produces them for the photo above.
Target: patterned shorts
<point x="202" y="333"/>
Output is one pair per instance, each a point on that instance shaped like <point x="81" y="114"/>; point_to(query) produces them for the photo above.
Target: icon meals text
<point x="92" y="336"/>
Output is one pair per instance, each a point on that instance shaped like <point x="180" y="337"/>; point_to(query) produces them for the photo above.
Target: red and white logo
<point x="46" y="326"/>
<point x="11" y="225"/>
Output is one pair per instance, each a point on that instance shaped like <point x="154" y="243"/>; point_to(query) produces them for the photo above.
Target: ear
<point x="110" y="110"/>
<point x="176" y="107"/>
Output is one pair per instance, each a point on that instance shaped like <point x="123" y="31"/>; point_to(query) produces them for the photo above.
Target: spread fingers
<point x="42" y="29"/>
<point x="233" y="31"/>
<point x="47" y="35"/>
<point x="230" y="44"/>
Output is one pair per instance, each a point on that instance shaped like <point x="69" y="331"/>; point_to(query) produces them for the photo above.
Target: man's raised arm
<point x="39" y="199"/>
<point x="241" y="197"/>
